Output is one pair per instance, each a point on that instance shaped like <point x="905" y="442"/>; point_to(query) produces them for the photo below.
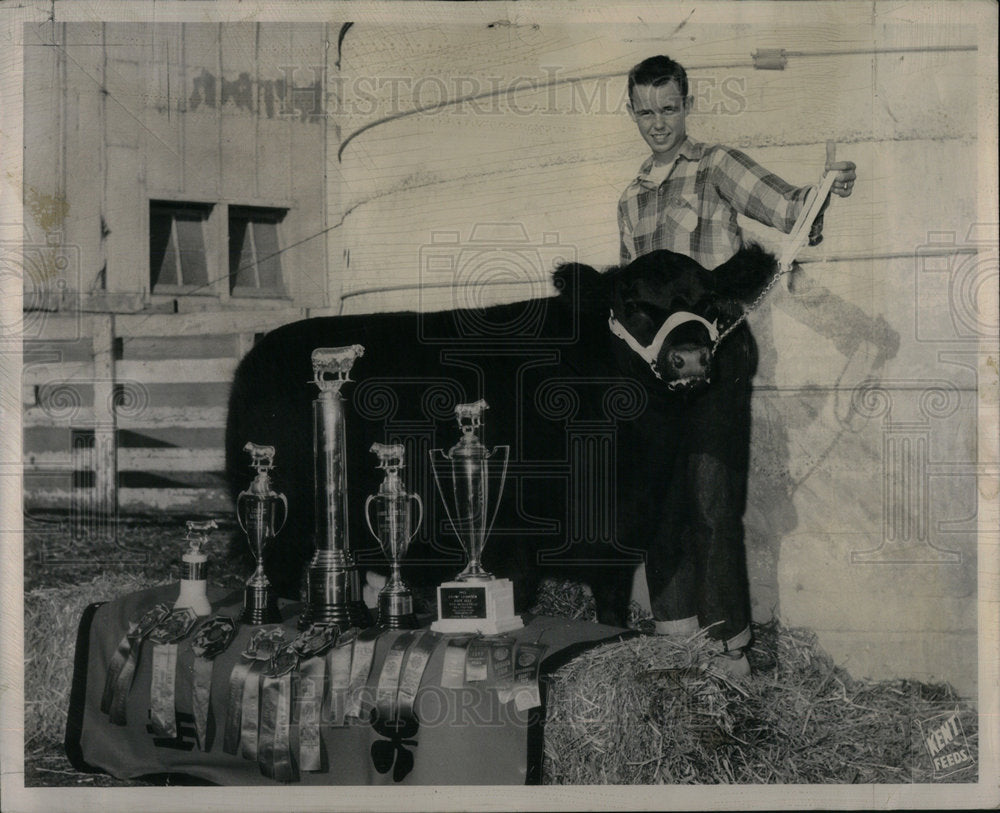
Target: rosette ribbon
<point x="275" y="751"/>
<point x="361" y="666"/>
<point x="210" y="640"/>
<point x="311" y="646"/>
<point x="393" y="716"/>
<point x="242" y="705"/>
<point x="338" y="666"/>
<point x="163" y="688"/>
<point x="121" y="670"/>
<point x="527" y="663"/>
<point x="416" y="663"/>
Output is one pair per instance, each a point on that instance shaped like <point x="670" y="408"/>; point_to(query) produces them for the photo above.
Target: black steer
<point x="587" y="419"/>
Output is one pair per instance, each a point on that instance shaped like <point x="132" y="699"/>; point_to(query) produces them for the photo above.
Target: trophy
<point x="333" y="586"/>
<point x="392" y="530"/>
<point x="194" y="582"/>
<point x="256" y="510"/>
<point x="475" y="601"/>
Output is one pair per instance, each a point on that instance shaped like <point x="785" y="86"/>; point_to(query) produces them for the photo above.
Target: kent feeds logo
<point x="945" y="742"/>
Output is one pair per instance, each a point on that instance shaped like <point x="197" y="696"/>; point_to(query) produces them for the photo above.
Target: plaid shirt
<point x="693" y="212"/>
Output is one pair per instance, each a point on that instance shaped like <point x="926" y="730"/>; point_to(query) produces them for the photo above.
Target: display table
<point x="473" y="733"/>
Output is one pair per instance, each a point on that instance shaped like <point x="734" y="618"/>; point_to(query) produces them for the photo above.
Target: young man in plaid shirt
<point x="686" y="198"/>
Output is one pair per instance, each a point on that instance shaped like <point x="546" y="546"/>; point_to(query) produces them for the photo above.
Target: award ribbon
<point x="413" y="672"/>
<point x="210" y="640"/>
<point x="527" y="662"/>
<point x="338" y="666"/>
<point x="250" y="712"/>
<point x="234" y="708"/>
<point x="121" y="671"/>
<point x="361" y="665"/>
<point x="275" y="753"/>
<point x="453" y="670"/>
<point x="250" y="702"/>
<point x="388" y="681"/>
<point x="163" y="687"/>
<point x="244" y="683"/>
<point x="477" y="660"/>
<point x="502" y="668"/>
<point x="310" y="646"/>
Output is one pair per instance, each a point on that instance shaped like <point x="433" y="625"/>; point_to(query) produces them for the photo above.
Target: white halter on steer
<point x="796" y="238"/>
<point x="650" y="353"/>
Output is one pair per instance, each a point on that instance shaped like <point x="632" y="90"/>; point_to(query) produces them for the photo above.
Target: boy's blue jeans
<point x="697" y="569"/>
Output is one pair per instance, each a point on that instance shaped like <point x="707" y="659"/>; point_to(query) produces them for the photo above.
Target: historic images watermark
<point x="69" y="405"/>
<point x="956" y="275"/>
<point x="306" y="92"/>
<point x="464" y="275"/>
<point x="50" y="275"/>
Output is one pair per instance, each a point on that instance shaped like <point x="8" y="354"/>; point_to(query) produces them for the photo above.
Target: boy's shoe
<point x="733" y="664"/>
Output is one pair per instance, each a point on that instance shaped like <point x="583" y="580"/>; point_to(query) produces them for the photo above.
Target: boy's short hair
<point x="655" y="71"/>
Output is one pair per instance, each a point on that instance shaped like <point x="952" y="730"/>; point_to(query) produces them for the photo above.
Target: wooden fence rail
<point x="127" y="413"/>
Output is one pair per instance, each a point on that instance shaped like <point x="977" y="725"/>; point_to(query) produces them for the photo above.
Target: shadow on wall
<point x="823" y="414"/>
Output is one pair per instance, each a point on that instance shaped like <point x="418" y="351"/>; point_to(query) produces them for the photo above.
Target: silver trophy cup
<point x="392" y="509"/>
<point x="474" y="601"/>
<point x="257" y="514"/>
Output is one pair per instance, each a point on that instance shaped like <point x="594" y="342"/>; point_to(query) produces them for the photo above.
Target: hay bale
<point x="51" y="618"/>
<point x="655" y="710"/>
<point x="643" y="711"/>
<point x="565" y="598"/>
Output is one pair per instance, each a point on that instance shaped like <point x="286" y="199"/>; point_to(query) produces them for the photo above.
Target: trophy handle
<point x="420" y="513"/>
<point x="239" y="514"/>
<point x="442" y="492"/>
<point x="368" y="519"/>
<point x="284" y="513"/>
<point x="503" y="480"/>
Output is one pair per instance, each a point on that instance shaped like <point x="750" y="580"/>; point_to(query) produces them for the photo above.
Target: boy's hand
<point x="843" y="185"/>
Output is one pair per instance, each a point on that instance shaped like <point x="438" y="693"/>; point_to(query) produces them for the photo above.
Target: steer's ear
<point x="744" y="275"/>
<point x="580" y="283"/>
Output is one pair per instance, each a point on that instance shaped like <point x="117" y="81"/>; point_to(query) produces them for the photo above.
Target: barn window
<point x="177" y="259"/>
<point x="255" y="251"/>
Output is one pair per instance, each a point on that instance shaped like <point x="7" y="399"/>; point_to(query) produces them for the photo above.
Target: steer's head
<point x="670" y="311"/>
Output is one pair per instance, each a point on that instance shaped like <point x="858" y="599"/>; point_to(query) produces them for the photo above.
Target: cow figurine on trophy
<point x="256" y="512"/>
<point x="392" y="530"/>
<point x="333" y="585"/>
<point x="474" y="601"/>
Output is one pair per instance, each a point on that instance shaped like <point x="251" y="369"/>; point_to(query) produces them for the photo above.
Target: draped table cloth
<point x="461" y="733"/>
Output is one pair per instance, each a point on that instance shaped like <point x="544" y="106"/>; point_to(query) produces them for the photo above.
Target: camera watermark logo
<point x="957" y="279"/>
<point x="50" y="276"/>
<point x="945" y="743"/>
<point x="498" y="262"/>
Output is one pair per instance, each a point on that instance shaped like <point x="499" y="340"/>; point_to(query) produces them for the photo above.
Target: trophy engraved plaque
<point x="333" y="585"/>
<point x="474" y="601"/>
<point x="392" y="530"/>
<point x="256" y="510"/>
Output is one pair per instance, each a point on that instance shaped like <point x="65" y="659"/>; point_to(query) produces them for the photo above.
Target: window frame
<point x="208" y="213"/>
<point x="254" y="215"/>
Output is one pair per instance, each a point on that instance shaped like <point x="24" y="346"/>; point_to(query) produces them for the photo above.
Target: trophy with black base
<point x="474" y="601"/>
<point x="256" y="512"/>
<point x="392" y="530"/>
<point x="333" y="585"/>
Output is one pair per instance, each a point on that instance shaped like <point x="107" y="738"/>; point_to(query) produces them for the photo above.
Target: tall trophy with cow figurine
<point x="333" y="584"/>
<point x="474" y="601"/>
<point x="257" y="511"/>
<point x="392" y="509"/>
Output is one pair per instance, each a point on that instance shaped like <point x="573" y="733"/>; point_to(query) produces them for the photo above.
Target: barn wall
<point x="862" y="524"/>
<point x="125" y="388"/>
<point x="117" y="114"/>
